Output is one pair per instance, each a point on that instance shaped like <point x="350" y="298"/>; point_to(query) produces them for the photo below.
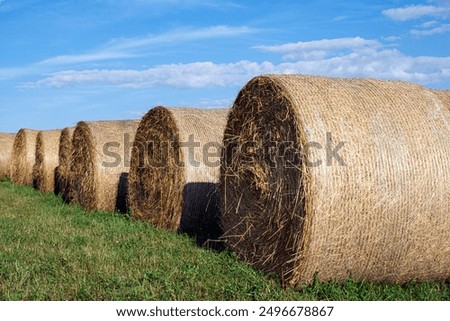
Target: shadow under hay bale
<point x="62" y="172"/>
<point x="200" y="217"/>
<point x="100" y="156"/>
<point x="46" y="160"/>
<point x="23" y="157"/>
<point x="175" y="165"/>
<point x="6" y="148"/>
<point x="122" y="193"/>
<point x="339" y="177"/>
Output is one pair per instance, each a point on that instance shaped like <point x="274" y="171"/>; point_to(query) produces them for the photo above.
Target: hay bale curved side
<point x="333" y="176"/>
<point x="46" y="160"/>
<point x="100" y="163"/>
<point x="175" y="166"/>
<point x="6" y="147"/>
<point x="62" y="177"/>
<point x="23" y="157"/>
<point x="444" y="95"/>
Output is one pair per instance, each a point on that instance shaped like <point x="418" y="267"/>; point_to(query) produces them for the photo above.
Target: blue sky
<point x="65" y="61"/>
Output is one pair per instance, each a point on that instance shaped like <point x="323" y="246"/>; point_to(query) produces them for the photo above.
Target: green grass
<point x="53" y="251"/>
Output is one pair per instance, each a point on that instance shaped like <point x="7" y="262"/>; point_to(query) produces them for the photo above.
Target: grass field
<point x="53" y="251"/>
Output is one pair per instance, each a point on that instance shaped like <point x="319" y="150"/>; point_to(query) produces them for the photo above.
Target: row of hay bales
<point x="304" y="176"/>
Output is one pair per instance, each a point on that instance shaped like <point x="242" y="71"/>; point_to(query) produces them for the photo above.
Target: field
<point x="53" y="251"/>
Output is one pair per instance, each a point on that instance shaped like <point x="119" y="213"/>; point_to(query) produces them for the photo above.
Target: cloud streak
<point x="179" y="35"/>
<point x="416" y="11"/>
<point x="345" y="57"/>
<point x="127" y="48"/>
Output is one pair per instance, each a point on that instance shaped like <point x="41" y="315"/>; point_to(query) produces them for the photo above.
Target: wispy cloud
<point x="319" y="48"/>
<point x="365" y="58"/>
<point x="83" y="58"/>
<point x="177" y="36"/>
<point x="126" y="48"/>
<point x="427" y="31"/>
<point x="416" y="11"/>
<point x="122" y="48"/>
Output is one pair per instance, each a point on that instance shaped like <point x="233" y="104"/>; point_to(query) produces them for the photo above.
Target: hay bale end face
<point x="62" y="183"/>
<point x="6" y="147"/>
<point x="46" y="160"/>
<point x="23" y="157"/>
<point x="175" y="166"/>
<point x="100" y="163"/>
<point x="334" y="177"/>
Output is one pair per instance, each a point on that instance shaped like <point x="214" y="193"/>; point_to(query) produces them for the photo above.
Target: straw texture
<point x="338" y="177"/>
<point x="46" y="161"/>
<point x="6" y="146"/>
<point x="23" y="157"/>
<point x="443" y="95"/>
<point x="62" y="183"/>
<point x="175" y="166"/>
<point x="100" y="162"/>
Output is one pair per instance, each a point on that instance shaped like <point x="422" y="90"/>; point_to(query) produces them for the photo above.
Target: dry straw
<point x="6" y="146"/>
<point x="23" y="157"/>
<point x="46" y="160"/>
<point x="62" y="177"/>
<point x="175" y="166"/>
<point x="100" y="162"/>
<point x="444" y="95"/>
<point x="342" y="177"/>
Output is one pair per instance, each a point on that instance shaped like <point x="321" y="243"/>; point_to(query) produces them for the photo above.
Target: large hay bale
<point x="62" y="177"/>
<point x="444" y="95"/>
<point x="175" y="166"/>
<point x="23" y="157"/>
<point x="339" y="177"/>
<point x="6" y="147"/>
<point x="46" y="160"/>
<point x="100" y="163"/>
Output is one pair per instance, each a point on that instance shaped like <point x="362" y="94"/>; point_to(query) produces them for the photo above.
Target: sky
<point x="66" y="61"/>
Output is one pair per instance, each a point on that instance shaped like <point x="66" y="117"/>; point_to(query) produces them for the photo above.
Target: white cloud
<point x="124" y="48"/>
<point x="82" y="58"/>
<point x="319" y="48"/>
<point x="364" y="58"/>
<point x="179" y="35"/>
<point x="443" y="28"/>
<point x="416" y="11"/>
<point x="192" y="75"/>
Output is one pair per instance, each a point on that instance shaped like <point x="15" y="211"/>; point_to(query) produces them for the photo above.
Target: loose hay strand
<point x="172" y="183"/>
<point x="99" y="164"/>
<point x="291" y="208"/>
<point x="46" y="160"/>
<point x="23" y="157"/>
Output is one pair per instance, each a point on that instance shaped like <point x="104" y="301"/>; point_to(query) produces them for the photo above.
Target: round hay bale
<point x="444" y="95"/>
<point x="62" y="177"/>
<point x="23" y="157"/>
<point x="46" y="160"/>
<point x="100" y="163"/>
<point x="6" y="146"/>
<point x="175" y="166"/>
<point x="332" y="178"/>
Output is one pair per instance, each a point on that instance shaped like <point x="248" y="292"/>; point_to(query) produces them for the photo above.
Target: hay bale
<point x="23" y="157"/>
<point x="100" y="162"/>
<point x="172" y="180"/>
<point x="46" y="160"/>
<point x="62" y="177"/>
<point x="6" y="146"/>
<point x="338" y="177"/>
<point x="443" y="95"/>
